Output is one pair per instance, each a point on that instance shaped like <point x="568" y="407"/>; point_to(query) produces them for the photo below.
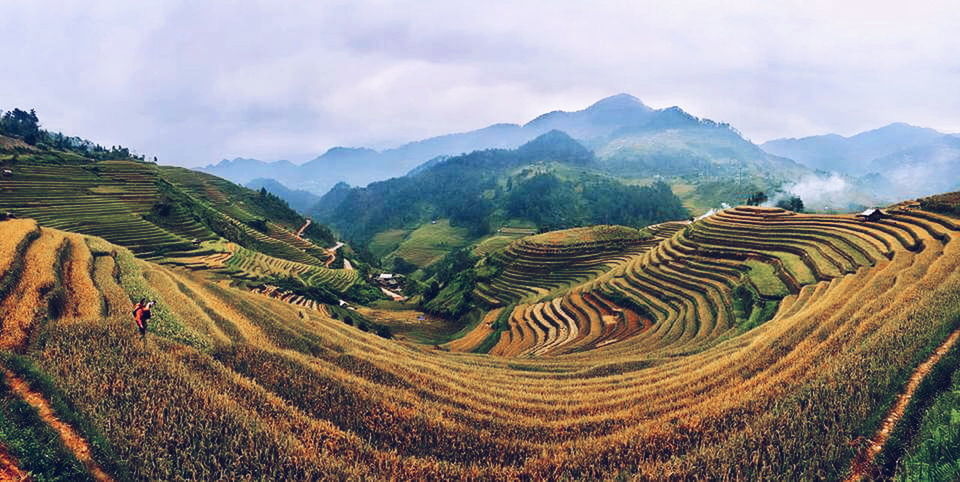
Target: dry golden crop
<point x="84" y="299"/>
<point x="23" y="304"/>
<point x="642" y="372"/>
<point x="12" y="232"/>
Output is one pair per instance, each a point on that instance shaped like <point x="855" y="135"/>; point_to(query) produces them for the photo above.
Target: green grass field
<point x="386" y="241"/>
<point x="430" y="242"/>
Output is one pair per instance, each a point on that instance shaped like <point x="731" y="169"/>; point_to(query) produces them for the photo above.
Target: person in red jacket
<point x="141" y="313"/>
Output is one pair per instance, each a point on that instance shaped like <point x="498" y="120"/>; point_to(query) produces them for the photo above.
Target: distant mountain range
<point x="551" y="181"/>
<point x="360" y="166"/>
<point x="852" y="155"/>
<point x="897" y="161"/>
<point x="300" y="201"/>
<point x="628" y="137"/>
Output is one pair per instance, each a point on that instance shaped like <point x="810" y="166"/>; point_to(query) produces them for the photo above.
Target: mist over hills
<point x="628" y="136"/>
<point x="893" y="162"/>
<point x="852" y="155"/>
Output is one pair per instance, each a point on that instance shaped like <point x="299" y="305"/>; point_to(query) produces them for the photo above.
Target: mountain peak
<point x="555" y="145"/>
<point x="340" y="150"/>
<point x="619" y="101"/>
<point x="901" y="127"/>
<point x="600" y="119"/>
<point x="898" y="133"/>
<point x="245" y="162"/>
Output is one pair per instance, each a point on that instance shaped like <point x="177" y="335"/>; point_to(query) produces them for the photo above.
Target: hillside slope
<point x="175" y="215"/>
<point x="551" y="181"/>
<point x="663" y="379"/>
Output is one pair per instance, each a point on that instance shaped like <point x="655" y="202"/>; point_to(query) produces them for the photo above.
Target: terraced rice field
<point x="227" y="198"/>
<point x="679" y="287"/>
<point x="659" y="384"/>
<point x="243" y="263"/>
<point x="115" y="200"/>
<point x="535" y="266"/>
<point x="107" y="199"/>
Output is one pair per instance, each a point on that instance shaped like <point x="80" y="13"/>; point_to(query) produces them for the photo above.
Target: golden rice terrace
<point x="753" y="344"/>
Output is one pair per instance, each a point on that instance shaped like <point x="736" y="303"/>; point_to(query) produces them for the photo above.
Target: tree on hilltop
<point x="793" y="203"/>
<point x="757" y="198"/>
<point x="22" y="124"/>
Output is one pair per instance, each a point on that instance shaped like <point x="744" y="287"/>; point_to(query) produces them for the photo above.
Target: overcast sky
<point x="193" y="82"/>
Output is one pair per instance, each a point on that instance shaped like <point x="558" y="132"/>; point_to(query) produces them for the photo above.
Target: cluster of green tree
<point x="757" y="198"/>
<point x="449" y="283"/>
<point x="792" y="203"/>
<point x="553" y="203"/>
<point x="476" y="190"/>
<point x="25" y="125"/>
<point x="402" y="266"/>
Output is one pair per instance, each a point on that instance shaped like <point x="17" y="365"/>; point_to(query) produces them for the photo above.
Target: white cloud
<point x="196" y="81"/>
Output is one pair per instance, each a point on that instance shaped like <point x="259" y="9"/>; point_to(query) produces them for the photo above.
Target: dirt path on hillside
<point x="74" y="442"/>
<point x="346" y="265"/>
<point x="394" y="295"/>
<point x="862" y="465"/>
<point x="333" y="253"/>
<point x="303" y="228"/>
<point x="9" y="470"/>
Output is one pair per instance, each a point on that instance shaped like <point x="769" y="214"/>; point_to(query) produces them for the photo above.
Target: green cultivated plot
<point x="430" y="242"/>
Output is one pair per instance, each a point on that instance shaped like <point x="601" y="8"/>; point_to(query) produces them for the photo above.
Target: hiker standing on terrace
<point x="141" y="313"/>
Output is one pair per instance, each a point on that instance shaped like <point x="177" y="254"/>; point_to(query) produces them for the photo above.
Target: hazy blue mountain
<point x="362" y="166"/>
<point x="628" y="137"/>
<point x="852" y="155"/>
<point x="243" y="170"/>
<point x="503" y="136"/>
<point x="598" y="120"/>
<point x="921" y="170"/>
<point x="301" y="201"/>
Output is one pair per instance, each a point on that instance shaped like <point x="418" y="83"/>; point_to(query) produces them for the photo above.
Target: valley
<point x="674" y="349"/>
<point x="474" y="241"/>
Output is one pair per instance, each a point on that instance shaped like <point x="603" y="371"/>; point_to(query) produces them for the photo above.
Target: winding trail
<point x="862" y="465"/>
<point x="333" y="253"/>
<point x="303" y="228"/>
<point x="9" y="470"/>
<point x="73" y="440"/>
